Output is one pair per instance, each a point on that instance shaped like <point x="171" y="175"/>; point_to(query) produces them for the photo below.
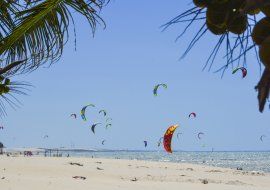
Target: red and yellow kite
<point x="167" y="139"/>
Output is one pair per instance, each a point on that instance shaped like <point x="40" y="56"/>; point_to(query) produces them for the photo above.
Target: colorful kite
<point x="157" y="87"/>
<point x="199" y="135"/>
<point x="167" y="139"/>
<point x="145" y="143"/>
<point x="192" y="114"/>
<point x="261" y="138"/>
<point x="108" y="125"/>
<point x="84" y="109"/>
<point x="73" y="115"/>
<point x="94" y="126"/>
<point x="103" y="111"/>
<point x="243" y="69"/>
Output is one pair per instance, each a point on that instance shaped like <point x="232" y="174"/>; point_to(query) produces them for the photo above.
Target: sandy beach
<point x="45" y="173"/>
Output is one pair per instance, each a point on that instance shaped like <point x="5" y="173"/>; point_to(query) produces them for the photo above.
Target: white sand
<point x="39" y="173"/>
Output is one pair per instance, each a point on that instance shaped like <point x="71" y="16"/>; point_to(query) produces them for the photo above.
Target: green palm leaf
<point x="33" y="33"/>
<point x="41" y="31"/>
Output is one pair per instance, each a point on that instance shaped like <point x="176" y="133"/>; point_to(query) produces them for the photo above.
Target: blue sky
<point x="117" y="69"/>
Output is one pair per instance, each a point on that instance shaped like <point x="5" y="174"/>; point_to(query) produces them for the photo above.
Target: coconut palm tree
<point x="233" y="22"/>
<point x="34" y="32"/>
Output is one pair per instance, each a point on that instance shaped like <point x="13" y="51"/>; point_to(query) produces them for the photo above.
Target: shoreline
<point x="16" y="149"/>
<point x="37" y="172"/>
<point x="226" y="161"/>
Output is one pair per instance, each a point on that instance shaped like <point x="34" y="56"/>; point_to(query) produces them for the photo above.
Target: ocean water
<point x="248" y="161"/>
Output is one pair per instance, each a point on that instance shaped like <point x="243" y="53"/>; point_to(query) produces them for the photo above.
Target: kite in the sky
<point x="108" y="119"/>
<point x="157" y="87"/>
<point x="84" y="109"/>
<point x="199" y="135"/>
<point x="103" y="142"/>
<point x="192" y="115"/>
<point x="1" y="127"/>
<point x="108" y="125"/>
<point x="46" y="136"/>
<point x="145" y="143"/>
<point x="103" y="111"/>
<point x="167" y="139"/>
<point x="178" y="135"/>
<point x="261" y="138"/>
<point x="73" y="115"/>
<point x="94" y="126"/>
<point x="243" y="69"/>
<point x="160" y="141"/>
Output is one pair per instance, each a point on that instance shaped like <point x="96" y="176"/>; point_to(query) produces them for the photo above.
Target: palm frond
<point x="9" y="96"/>
<point x="39" y="32"/>
<point x="236" y="47"/>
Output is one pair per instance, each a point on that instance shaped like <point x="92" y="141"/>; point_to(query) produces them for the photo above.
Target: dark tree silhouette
<point x="235" y="24"/>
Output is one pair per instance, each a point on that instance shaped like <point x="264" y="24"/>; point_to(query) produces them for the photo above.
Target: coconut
<point x="2" y="89"/>
<point x="266" y="10"/>
<point x="201" y="3"/>
<point x="217" y="14"/>
<point x="235" y="6"/>
<point x="7" y="81"/>
<point x="261" y="30"/>
<point x="216" y="30"/>
<point x="264" y="52"/>
<point x="237" y="24"/>
<point x="6" y="89"/>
